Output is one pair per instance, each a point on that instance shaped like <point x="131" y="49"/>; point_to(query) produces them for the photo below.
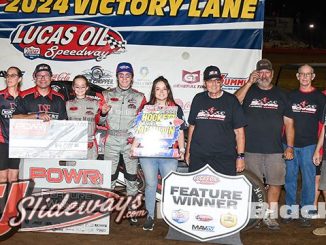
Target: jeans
<point x="303" y="161"/>
<point x="150" y="167"/>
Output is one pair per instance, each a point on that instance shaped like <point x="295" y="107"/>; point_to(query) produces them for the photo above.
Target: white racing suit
<point x="87" y="109"/>
<point x="125" y="105"/>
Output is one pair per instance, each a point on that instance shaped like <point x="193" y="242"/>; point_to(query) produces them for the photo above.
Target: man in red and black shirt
<point x="41" y="102"/>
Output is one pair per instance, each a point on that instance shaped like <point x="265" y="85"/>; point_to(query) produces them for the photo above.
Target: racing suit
<point x="87" y="109"/>
<point x="125" y="105"/>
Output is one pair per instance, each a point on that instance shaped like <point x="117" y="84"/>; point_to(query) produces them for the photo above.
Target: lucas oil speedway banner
<point x="174" y="38"/>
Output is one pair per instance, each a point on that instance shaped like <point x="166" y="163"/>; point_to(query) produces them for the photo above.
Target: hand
<point x="181" y="156"/>
<point x="187" y="158"/>
<point x="240" y="165"/>
<point x="45" y="117"/>
<point x="288" y="153"/>
<point x="317" y="158"/>
<point x="105" y="108"/>
<point x="253" y="78"/>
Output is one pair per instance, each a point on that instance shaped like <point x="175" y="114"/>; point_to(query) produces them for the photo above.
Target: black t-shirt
<point x="31" y="102"/>
<point x="264" y="110"/>
<point x="215" y="121"/>
<point x="307" y="111"/>
<point x="7" y="107"/>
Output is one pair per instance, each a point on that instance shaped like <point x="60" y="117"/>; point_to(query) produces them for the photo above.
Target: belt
<point x="119" y="133"/>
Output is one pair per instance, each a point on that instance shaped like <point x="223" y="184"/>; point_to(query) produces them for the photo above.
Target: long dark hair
<point x="169" y="100"/>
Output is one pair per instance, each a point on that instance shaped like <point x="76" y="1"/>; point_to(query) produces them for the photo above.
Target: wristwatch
<point x="240" y="155"/>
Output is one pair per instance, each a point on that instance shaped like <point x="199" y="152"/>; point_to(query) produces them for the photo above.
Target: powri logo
<point x="67" y="40"/>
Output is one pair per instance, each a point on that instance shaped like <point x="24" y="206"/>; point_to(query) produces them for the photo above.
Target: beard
<point x="264" y="83"/>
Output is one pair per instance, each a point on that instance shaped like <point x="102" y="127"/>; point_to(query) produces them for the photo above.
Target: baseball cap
<point x="125" y="67"/>
<point x="264" y="64"/>
<point x="42" y="67"/>
<point x="212" y="72"/>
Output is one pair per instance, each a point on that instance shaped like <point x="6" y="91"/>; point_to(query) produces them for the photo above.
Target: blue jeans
<point x="303" y="161"/>
<point x="150" y="167"/>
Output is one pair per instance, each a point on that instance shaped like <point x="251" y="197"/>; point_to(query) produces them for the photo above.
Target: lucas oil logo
<point x="67" y="40"/>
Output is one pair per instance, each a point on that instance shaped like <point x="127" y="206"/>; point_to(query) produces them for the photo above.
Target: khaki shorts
<point x="268" y="166"/>
<point x="322" y="185"/>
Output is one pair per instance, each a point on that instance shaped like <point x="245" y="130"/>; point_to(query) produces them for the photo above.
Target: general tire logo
<point x="67" y="40"/>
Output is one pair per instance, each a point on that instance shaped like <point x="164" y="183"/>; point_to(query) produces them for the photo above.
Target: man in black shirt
<point x="307" y="105"/>
<point x="216" y="128"/>
<point x="41" y="102"/>
<point x="267" y="110"/>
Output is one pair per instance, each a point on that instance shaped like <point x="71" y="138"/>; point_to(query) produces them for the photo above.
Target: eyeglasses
<point x="305" y="74"/>
<point x="42" y="76"/>
<point x="11" y="75"/>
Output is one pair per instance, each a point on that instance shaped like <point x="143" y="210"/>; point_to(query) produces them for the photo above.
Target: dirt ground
<point x="125" y="234"/>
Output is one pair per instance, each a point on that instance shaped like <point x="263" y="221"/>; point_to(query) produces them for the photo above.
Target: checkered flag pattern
<point x="116" y="44"/>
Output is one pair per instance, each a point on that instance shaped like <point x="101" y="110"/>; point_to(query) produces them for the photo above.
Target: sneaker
<point x="271" y="223"/>
<point x="304" y="222"/>
<point x="133" y="221"/>
<point x="320" y="231"/>
<point x="149" y="224"/>
<point x="286" y="220"/>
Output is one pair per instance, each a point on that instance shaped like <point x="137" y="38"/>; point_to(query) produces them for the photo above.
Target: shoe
<point x="149" y="224"/>
<point x="320" y="231"/>
<point x="271" y="223"/>
<point x="304" y="222"/>
<point x="133" y="221"/>
<point x="286" y="220"/>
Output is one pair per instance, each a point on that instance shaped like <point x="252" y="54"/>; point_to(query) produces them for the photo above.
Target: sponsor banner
<point x="205" y="204"/>
<point x="53" y="139"/>
<point x="81" y="176"/>
<point x="156" y="130"/>
<point x="176" y="39"/>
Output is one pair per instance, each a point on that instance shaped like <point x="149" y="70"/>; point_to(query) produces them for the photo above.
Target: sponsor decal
<point x="185" y="105"/>
<point x="60" y="208"/>
<point x="203" y="217"/>
<point x="132" y="100"/>
<point x="190" y="77"/>
<point x="304" y="107"/>
<point x="206" y="179"/>
<point x="143" y="80"/>
<point x="228" y="203"/>
<point x="89" y="113"/>
<point x="63" y="76"/>
<point x="180" y="216"/>
<point x="114" y="99"/>
<point x="99" y="76"/>
<point x="67" y="40"/>
<point x="132" y="106"/>
<point x="74" y="108"/>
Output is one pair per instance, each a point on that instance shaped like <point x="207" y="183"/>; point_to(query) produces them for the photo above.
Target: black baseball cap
<point x="212" y="72"/>
<point x="42" y="67"/>
<point x="264" y="64"/>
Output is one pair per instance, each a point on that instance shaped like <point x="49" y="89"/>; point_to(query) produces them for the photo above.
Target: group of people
<point x="259" y="128"/>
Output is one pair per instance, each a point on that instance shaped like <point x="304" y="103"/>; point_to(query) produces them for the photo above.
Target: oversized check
<point x="53" y="140"/>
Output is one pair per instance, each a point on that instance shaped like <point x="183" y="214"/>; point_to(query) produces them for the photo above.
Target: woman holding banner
<point x="9" y="167"/>
<point x="87" y="109"/>
<point x="161" y="95"/>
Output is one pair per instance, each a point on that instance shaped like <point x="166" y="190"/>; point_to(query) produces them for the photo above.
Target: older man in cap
<point x="216" y="128"/>
<point x="267" y="109"/>
<point x="41" y="102"/>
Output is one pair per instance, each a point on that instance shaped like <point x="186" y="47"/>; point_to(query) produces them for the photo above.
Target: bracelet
<point x="288" y="146"/>
<point x="240" y="156"/>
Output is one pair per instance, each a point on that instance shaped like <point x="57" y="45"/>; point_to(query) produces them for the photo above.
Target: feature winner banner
<point x="173" y="38"/>
<point x="157" y="129"/>
<point x="205" y="204"/>
<point x="54" y="139"/>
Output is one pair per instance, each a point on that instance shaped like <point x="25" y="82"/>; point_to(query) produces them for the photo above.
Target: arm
<point x="240" y="139"/>
<point x="317" y="158"/>
<point x="190" y="132"/>
<point x="289" y="131"/>
<point x="181" y="144"/>
<point x="242" y="92"/>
